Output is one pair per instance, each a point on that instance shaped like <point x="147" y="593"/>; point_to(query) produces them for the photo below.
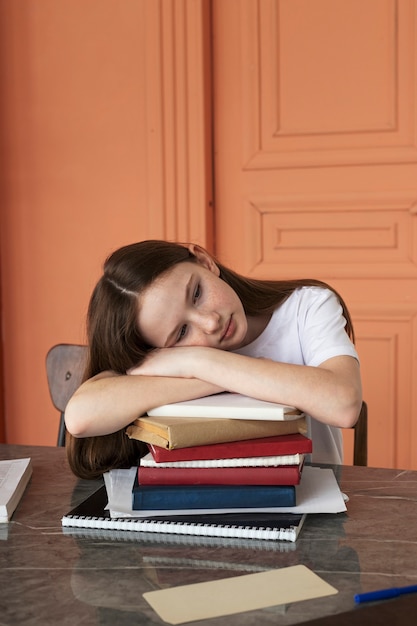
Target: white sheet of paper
<point x="318" y="492"/>
<point x="238" y="594"/>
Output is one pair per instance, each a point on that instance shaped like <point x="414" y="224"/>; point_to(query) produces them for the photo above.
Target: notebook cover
<point x="294" y="443"/>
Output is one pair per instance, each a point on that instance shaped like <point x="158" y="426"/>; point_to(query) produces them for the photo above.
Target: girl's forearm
<point x="331" y="393"/>
<point x="109" y="402"/>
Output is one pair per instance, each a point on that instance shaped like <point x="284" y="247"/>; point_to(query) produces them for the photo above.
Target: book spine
<point x="257" y="461"/>
<point x="282" y="475"/>
<point x="214" y="431"/>
<point x="228" y="405"/>
<point x="226" y="431"/>
<point x="172" y="497"/>
<point x="216" y="413"/>
<point x="267" y="446"/>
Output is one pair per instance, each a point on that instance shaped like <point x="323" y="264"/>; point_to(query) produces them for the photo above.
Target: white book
<point x="228" y="405"/>
<point x="256" y="461"/>
<point x="14" y="476"/>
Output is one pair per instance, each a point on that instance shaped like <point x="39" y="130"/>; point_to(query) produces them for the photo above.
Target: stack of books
<point x="236" y="474"/>
<point x="218" y="453"/>
<point x="250" y="473"/>
<point x="109" y="511"/>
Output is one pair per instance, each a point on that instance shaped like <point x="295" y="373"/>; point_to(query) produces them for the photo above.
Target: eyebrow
<point x="172" y="335"/>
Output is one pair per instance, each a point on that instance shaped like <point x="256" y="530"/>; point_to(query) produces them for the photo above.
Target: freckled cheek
<point x="199" y="339"/>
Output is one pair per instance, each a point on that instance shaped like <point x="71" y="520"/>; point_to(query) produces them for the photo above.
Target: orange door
<point x="2" y="424"/>
<point x="315" y="174"/>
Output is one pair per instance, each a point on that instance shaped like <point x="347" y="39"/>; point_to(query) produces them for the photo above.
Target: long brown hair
<point x="115" y="341"/>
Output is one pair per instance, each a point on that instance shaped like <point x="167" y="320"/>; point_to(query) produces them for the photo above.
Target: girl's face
<point x="190" y="305"/>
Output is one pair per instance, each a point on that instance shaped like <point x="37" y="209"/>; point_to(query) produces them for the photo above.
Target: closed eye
<point x="195" y="297"/>
<point x="182" y="333"/>
<point x="197" y="293"/>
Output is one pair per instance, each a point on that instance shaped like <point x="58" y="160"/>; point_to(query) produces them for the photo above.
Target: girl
<point x="167" y="322"/>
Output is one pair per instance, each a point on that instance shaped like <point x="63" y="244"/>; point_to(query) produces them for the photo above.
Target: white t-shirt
<point x="307" y="329"/>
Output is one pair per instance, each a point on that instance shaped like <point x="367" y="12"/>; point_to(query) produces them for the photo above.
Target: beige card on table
<point x="238" y="594"/>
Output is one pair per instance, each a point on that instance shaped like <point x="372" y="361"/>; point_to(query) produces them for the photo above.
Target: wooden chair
<point x="360" y="440"/>
<point x="64" y="369"/>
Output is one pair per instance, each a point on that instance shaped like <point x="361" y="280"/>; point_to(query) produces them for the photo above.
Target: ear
<point x="203" y="258"/>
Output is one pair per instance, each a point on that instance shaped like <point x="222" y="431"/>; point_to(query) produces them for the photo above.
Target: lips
<point x="229" y="330"/>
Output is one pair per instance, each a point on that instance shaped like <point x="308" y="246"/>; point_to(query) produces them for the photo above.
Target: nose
<point x="208" y="321"/>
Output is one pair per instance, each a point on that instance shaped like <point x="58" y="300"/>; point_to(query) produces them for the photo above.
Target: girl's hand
<point x="172" y="362"/>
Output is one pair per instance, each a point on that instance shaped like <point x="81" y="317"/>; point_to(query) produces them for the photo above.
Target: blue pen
<point x="384" y="594"/>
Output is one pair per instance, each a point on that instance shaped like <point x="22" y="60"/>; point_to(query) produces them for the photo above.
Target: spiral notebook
<point x="92" y="513"/>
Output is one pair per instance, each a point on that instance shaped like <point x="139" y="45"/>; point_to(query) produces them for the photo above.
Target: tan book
<point x="184" y="432"/>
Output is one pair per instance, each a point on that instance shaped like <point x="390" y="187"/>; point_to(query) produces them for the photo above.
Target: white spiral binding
<point x="247" y="532"/>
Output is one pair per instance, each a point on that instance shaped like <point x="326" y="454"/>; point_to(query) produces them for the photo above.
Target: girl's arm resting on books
<point x="108" y="402"/>
<point x="331" y="392"/>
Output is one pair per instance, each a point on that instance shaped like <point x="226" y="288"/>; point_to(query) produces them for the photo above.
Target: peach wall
<point x="81" y="124"/>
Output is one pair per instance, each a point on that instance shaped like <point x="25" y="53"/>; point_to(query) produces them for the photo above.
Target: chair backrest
<point x="360" y="442"/>
<point x="65" y="365"/>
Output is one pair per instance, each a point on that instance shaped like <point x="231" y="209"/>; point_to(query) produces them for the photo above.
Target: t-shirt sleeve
<point x="322" y="327"/>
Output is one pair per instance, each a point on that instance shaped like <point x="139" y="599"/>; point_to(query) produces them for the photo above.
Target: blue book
<point x="176" y="497"/>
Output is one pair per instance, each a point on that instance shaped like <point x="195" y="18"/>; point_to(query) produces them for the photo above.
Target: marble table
<point x="48" y="577"/>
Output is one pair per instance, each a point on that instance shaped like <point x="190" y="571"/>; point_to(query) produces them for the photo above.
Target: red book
<point x="281" y="475"/>
<point x="278" y="445"/>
